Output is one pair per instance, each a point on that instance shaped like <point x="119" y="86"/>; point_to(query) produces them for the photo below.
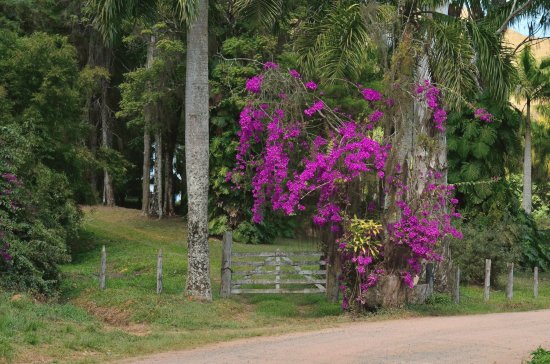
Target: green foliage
<point x="494" y="236"/>
<point x="540" y="356"/>
<point x="479" y="156"/>
<point x="41" y="131"/>
<point x="439" y="299"/>
<point x="43" y="93"/>
<point x="114" y="162"/>
<point x="502" y="237"/>
<point x="339" y="40"/>
<point x="38" y="219"/>
<point x="250" y="233"/>
<point x="535" y="244"/>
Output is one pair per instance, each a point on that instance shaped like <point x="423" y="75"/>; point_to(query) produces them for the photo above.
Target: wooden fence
<point x="271" y="272"/>
<point x="298" y="272"/>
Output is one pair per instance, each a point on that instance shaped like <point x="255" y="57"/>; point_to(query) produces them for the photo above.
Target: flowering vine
<point x="430" y="93"/>
<point x="325" y="159"/>
<point x="293" y="146"/>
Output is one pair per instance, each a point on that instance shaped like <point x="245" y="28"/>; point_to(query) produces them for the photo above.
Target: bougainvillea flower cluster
<point x="430" y="94"/>
<point x="422" y="227"/>
<point x="289" y="157"/>
<point x="254" y="84"/>
<point x="483" y="114"/>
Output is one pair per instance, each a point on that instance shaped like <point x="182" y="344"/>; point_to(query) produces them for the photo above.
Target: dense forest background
<point x="88" y="119"/>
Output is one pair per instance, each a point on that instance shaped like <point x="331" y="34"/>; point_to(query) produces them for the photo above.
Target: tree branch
<point x="529" y="39"/>
<point x="512" y="15"/>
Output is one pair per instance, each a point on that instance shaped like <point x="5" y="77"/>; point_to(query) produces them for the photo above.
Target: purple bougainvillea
<point x="286" y="157"/>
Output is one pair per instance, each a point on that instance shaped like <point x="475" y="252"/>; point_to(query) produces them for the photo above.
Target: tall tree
<point x="146" y="178"/>
<point x="534" y="86"/>
<point x="109" y="17"/>
<point x="196" y="156"/>
<point x="106" y="133"/>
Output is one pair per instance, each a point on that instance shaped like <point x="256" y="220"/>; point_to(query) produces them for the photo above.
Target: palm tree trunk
<point x="527" y="163"/>
<point x="146" y="180"/>
<point x="196" y="155"/>
<point x="412" y="127"/>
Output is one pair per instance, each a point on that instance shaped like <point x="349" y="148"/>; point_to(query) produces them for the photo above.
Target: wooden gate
<point x="271" y="272"/>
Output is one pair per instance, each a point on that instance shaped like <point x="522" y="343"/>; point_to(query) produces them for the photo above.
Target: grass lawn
<point x="86" y="325"/>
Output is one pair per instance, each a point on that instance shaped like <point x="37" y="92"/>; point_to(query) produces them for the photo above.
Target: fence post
<point x="159" y="272"/>
<point x="536" y="282"/>
<point x="487" y="280"/>
<point x="510" y="285"/>
<point x="456" y="290"/>
<point x="430" y="277"/>
<point x="103" y="269"/>
<point x="226" y="264"/>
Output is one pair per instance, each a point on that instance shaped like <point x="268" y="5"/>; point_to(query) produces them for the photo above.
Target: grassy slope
<point x="88" y="325"/>
<point x="129" y="318"/>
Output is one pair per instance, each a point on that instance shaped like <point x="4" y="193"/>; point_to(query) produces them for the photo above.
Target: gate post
<point x="226" y="264"/>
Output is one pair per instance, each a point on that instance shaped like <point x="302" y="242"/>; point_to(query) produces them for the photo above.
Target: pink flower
<point x="311" y="85"/>
<point x="294" y="73"/>
<point x="270" y="65"/>
<point x="318" y="106"/>
<point x="375" y="116"/>
<point x="483" y="115"/>
<point x="371" y="95"/>
<point x="254" y="84"/>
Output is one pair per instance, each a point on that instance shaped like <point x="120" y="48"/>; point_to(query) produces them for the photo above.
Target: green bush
<point x="487" y="236"/>
<point x="439" y="299"/>
<point x="540" y="356"/>
<point x="503" y="238"/>
<point x="37" y="218"/>
<point x="250" y="233"/>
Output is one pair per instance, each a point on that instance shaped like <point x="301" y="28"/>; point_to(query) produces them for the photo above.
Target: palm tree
<point x="109" y="15"/>
<point x="196" y="153"/>
<point x="533" y="86"/>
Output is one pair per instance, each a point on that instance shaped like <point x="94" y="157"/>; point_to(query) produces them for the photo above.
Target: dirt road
<point x="493" y="338"/>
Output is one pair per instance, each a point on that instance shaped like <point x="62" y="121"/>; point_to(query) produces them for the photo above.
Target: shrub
<point x="487" y="236"/>
<point x="540" y="356"/>
<point x="37" y="218"/>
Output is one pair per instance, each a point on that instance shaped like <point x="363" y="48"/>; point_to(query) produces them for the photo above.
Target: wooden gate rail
<point x="236" y="264"/>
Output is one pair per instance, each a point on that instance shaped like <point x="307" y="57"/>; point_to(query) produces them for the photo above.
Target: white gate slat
<point x="298" y="269"/>
<point x="277" y="259"/>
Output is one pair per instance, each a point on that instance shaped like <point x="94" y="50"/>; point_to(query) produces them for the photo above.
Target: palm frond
<point x="534" y="79"/>
<point x="494" y="60"/>
<point x="187" y="10"/>
<point x="108" y="16"/>
<point x="262" y="12"/>
<point x="339" y="38"/>
<point x="452" y="58"/>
